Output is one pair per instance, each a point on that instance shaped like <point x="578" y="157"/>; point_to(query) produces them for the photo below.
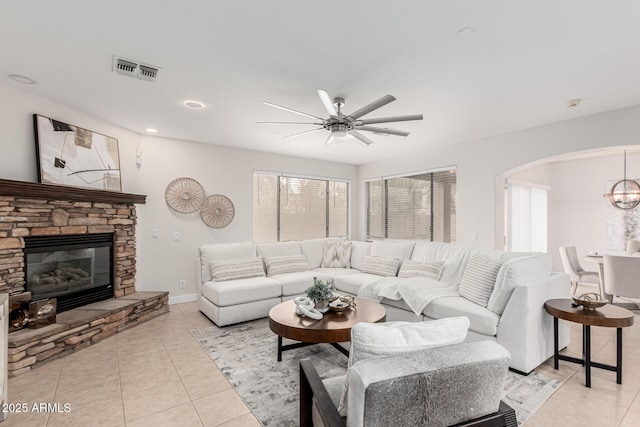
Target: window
<point x="297" y="208"/>
<point x="526" y="217"/>
<point x="421" y="206"/>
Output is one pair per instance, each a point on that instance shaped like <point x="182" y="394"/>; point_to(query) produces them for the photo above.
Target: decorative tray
<point x="590" y="301"/>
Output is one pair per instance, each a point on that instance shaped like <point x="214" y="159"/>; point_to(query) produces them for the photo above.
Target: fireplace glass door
<point x="76" y="270"/>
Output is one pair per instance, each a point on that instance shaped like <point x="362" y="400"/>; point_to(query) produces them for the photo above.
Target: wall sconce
<point x="139" y="158"/>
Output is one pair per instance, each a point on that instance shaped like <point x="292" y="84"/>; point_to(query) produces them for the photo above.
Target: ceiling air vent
<point x="134" y="69"/>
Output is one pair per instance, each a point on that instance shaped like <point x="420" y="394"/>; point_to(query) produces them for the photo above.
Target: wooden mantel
<point x="59" y="192"/>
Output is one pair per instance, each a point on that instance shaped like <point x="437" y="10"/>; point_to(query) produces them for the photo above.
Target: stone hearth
<point x="81" y="327"/>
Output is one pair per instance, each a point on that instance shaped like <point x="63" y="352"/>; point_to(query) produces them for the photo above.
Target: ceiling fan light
<point x="339" y="133"/>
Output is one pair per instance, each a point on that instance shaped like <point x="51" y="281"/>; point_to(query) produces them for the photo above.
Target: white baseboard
<point x="183" y="298"/>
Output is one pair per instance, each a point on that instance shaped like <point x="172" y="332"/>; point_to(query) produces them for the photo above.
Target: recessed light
<point x="193" y="104"/>
<point x="22" y="79"/>
<point x="572" y="103"/>
<point x="152" y="130"/>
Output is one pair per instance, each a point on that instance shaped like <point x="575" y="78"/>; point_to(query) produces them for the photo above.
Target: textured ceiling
<point x="514" y="67"/>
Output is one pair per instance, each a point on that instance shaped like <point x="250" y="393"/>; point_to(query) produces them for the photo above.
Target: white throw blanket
<point x="417" y="292"/>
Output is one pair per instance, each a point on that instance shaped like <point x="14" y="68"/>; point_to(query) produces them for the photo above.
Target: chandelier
<point x="625" y="194"/>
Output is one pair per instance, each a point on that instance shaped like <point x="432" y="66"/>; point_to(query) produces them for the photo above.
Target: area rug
<point x="246" y="355"/>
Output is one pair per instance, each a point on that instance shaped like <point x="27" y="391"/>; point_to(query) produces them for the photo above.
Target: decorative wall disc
<point x="184" y="195"/>
<point x="217" y="211"/>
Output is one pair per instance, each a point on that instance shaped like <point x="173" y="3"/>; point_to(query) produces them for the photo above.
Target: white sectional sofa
<point x="514" y="315"/>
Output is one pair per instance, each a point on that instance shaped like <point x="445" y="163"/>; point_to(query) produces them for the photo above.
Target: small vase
<point x="322" y="305"/>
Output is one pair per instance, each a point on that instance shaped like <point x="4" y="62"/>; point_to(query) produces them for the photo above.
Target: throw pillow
<point x="336" y="255"/>
<point x="380" y="266"/>
<point x="432" y="269"/>
<point x="285" y="264"/>
<point x="374" y="340"/>
<point x="237" y="269"/>
<point x="479" y="278"/>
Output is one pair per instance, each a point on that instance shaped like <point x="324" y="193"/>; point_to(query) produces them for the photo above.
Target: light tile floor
<point x="156" y="374"/>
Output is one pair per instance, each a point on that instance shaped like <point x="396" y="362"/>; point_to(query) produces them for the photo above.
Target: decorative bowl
<point x="590" y="301"/>
<point x="339" y="306"/>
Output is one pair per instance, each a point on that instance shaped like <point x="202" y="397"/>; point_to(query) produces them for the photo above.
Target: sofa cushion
<point x="240" y="291"/>
<point x="278" y="249"/>
<point x="334" y="272"/>
<point x="375" y="340"/>
<point x="479" y="278"/>
<point x="454" y="256"/>
<point x="381" y="266"/>
<point x="336" y="255"/>
<point x="481" y="320"/>
<point x="351" y="283"/>
<point x="411" y="268"/>
<point x="295" y="283"/>
<point x="223" y="252"/>
<point x="237" y="269"/>
<point x="517" y="271"/>
<point x="358" y="251"/>
<point x="313" y="249"/>
<point x="392" y="249"/>
<point x="285" y="264"/>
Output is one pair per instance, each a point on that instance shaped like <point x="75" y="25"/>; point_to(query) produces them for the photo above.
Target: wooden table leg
<point x="586" y="337"/>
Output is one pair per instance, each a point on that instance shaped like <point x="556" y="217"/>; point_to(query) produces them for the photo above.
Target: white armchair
<point x="623" y="276"/>
<point x="572" y="267"/>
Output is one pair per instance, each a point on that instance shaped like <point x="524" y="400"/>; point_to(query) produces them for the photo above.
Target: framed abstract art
<point x="74" y="156"/>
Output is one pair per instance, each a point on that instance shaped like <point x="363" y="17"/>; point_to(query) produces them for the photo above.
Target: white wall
<point x="162" y="262"/>
<point x="577" y="209"/>
<point x="482" y="162"/>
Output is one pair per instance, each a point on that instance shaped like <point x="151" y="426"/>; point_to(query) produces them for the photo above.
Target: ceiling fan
<point x="341" y="125"/>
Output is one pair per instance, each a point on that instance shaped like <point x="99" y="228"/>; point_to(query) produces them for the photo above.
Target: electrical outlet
<point x="154" y="233"/>
<point x="176" y="236"/>
<point x="183" y="284"/>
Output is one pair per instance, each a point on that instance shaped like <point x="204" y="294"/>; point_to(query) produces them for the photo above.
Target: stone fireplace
<point x="78" y="246"/>
<point x="34" y="210"/>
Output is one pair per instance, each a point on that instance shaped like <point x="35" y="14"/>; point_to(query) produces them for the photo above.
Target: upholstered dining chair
<point x="577" y="274"/>
<point x="623" y="277"/>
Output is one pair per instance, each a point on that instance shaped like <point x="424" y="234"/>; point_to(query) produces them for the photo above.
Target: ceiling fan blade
<point x="389" y="119"/>
<point x="383" y="130"/>
<point x="289" y="123"/>
<point x="302" y="133"/>
<point x="330" y="139"/>
<point x="361" y="137"/>
<point x="326" y="101"/>
<point x="292" y="111"/>
<point x="373" y="106"/>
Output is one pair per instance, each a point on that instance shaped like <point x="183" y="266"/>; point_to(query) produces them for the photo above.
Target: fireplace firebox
<point x="75" y="269"/>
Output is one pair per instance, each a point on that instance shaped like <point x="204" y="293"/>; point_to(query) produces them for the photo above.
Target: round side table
<point x="609" y="316"/>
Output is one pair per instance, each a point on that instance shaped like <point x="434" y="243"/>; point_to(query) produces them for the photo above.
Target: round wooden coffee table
<point x="609" y="316"/>
<point x="332" y="328"/>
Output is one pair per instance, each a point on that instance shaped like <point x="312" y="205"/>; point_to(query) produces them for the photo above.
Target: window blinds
<point x="421" y="206"/>
<point x="298" y="208"/>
